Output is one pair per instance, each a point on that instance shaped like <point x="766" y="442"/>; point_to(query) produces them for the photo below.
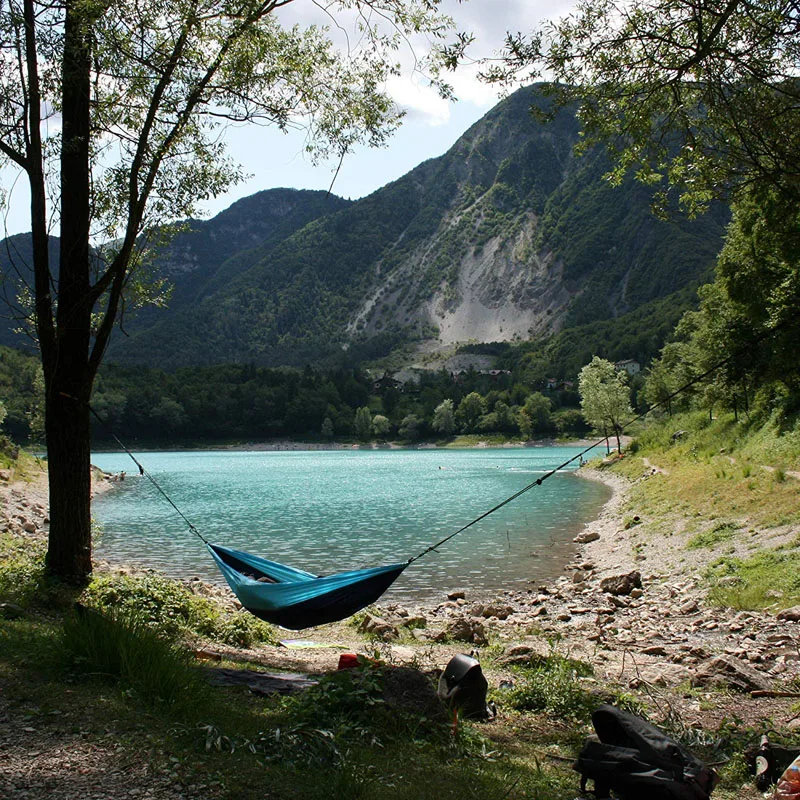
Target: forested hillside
<point x="198" y="261"/>
<point x="507" y="235"/>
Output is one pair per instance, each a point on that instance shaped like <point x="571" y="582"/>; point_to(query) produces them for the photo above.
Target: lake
<point x="326" y="511"/>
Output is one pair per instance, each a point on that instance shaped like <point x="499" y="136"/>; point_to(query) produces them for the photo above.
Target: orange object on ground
<point x="788" y="786"/>
<point x="347" y="661"/>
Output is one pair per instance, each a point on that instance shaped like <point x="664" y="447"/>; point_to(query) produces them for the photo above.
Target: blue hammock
<point x="296" y="599"/>
<point x="293" y="598"/>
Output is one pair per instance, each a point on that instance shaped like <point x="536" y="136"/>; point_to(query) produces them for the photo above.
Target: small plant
<point x="721" y="532"/>
<point x="553" y="685"/>
<point x="123" y="648"/>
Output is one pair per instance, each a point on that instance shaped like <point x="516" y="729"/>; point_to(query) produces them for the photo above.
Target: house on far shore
<point x="631" y="366"/>
<point x="386" y="382"/>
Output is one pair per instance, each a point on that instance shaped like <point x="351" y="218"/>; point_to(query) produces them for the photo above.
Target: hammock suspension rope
<point x="297" y="599"/>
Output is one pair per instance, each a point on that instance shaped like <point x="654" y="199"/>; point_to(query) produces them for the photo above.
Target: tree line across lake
<point x="245" y="402"/>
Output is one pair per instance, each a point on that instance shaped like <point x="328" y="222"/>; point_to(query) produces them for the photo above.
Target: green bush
<point x="169" y="607"/>
<point x="552" y="684"/>
<point x="23" y="579"/>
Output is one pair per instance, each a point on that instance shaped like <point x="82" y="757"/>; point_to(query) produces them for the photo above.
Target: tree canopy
<point x="115" y="114"/>
<point x="697" y="95"/>
<point x="605" y="397"/>
<point x="700" y="99"/>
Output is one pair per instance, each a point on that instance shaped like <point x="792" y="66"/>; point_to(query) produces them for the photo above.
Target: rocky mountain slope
<point x="508" y="235"/>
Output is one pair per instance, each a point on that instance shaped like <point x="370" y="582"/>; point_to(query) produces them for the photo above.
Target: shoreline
<point x="661" y="633"/>
<point x="295" y="446"/>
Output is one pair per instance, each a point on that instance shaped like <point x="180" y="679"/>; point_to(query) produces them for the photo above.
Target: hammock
<point x="296" y="599"/>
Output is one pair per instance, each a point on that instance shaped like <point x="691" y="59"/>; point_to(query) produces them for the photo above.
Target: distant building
<point x="386" y="382"/>
<point x="554" y="384"/>
<point x="630" y="366"/>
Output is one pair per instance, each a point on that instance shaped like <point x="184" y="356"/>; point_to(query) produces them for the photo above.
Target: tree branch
<point x="45" y="325"/>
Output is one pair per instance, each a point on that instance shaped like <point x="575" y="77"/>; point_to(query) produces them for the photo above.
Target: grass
<point x="119" y="673"/>
<point x="553" y="685"/>
<point x="714" y="473"/>
<point x="768" y="579"/>
<point x="108" y="679"/>
<point x="123" y="677"/>
<point x="717" y="481"/>
<point x="122" y="648"/>
<point x="722" y="532"/>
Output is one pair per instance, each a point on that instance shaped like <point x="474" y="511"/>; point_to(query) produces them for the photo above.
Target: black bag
<point x="636" y="760"/>
<point x="463" y="686"/>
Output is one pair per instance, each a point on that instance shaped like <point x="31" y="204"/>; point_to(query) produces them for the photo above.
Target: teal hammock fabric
<point x="296" y="599"/>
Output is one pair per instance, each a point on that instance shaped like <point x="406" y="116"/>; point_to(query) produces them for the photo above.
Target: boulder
<point x="662" y="675"/>
<point x="496" y="610"/>
<point x="457" y="594"/>
<point x="729" y="671"/>
<point x="378" y="627"/>
<point x="525" y="654"/>
<point x="621" y="584"/>
<point x="467" y="629"/>
<point x="586" y="536"/>
<point x="790" y="614"/>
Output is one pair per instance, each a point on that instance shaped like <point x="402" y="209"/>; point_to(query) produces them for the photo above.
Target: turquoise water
<point x="326" y="511"/>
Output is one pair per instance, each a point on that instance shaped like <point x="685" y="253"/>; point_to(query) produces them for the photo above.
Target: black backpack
<point x="636" y="760"/>
<point x="463" y="686"/>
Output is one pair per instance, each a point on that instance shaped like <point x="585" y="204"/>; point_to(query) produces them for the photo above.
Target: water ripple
<point x="326" y="511"/>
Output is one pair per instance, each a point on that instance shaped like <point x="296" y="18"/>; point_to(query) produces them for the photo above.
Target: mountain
<point x="508" y="235"/>
<point x="200" y="259"/>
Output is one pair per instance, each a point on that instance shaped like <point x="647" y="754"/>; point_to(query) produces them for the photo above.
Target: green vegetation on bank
<point x="731" y="488"/>
<point x="242" y="402"/>
<point x="120" y="669"/>
<point x="121" y="683"/>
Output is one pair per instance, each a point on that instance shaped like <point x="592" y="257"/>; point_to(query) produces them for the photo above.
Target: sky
<point x="431" y="125"/>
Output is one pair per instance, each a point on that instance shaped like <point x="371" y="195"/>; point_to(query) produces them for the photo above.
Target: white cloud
<point x="418" y="100"/>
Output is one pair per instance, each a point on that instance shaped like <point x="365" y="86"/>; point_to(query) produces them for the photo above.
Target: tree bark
<point x="68" y="382"/>
<point x="67" y="429"/>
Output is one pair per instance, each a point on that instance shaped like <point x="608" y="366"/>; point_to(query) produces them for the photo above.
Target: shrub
<point x="169" y="607"/>
<point x="553" y="685"/>
<point x="23" y="579"/>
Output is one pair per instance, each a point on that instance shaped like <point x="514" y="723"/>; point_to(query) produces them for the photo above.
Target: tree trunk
<point x="68" y="379"/>
<point x="69" y="553"/>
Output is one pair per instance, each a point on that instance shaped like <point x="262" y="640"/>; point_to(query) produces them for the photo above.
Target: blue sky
<point x="272" y="159"/>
